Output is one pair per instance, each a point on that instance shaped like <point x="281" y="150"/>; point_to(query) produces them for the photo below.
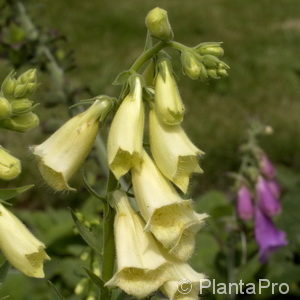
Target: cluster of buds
<point x="258" y="199"/>
<point x="203" y="61"/>
<point x="15" y="104"/>
<point x="24" y="251"/>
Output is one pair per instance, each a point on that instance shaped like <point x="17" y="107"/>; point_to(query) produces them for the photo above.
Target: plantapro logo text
<point x="233" y="288"/>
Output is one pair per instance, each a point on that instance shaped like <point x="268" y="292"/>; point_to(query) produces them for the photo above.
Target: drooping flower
<point x="10" y="166"/>
<point x="171" y="219"/>
<point x="141" y="268"/>
<point x="268" y="202"/>
<point x="267" y="236"/>
<point x="61" y="155"/>
<point x="245" y="207"/>
<point x="185" y="283"/>
<point x="168" y="103"/>
<point x="266" y="166"/>
<point x="174" y="154"/>
<point x="125" y="139"/>
<point x="25" y="252"/>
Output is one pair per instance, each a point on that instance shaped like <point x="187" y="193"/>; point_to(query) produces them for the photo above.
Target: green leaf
<point x="96" y="279"/>
<point x="86" y="234"/>
<point x="55" y="290"/>
<point x="9" y="193"/>
<point x="3" y="271"/>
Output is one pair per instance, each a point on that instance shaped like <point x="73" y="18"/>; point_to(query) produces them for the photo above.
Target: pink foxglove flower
<point x="245" y="208"/>
<point x="266" y="166"/>
<point x="268" y="202"/>
<point x="267" y="236"/>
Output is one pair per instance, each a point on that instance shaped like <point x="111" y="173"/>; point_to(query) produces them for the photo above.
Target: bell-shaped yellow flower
<point x="141" y="268"/>
<point x="25" y="252"/>
<point x="125" y="139"/>
<point x="174" y="154"/>
<point x="61" y="155"/>
<point x="168" y="103"/>
<point x="185" y="283"/>
<point x="171" y="219"/>
<point x="10" y="166"/>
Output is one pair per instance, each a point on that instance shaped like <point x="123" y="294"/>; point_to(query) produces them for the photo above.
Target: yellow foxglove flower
<point x="168" y="103"/>
<point x="185" y="283"/>
<point x="61" y="155"/>
<point x="10" y="166"/>
<point x="171" y="219"/>
<point x="174" y="154"/>
<point x="125" y="139"/>
<point x="25" y="252"/>
<point x="141" y="268"/>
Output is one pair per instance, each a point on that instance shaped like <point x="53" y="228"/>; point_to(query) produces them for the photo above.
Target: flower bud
<point x="10" y="166"/>
<point x="210" y="61"/>
<point x="171" y="219"/>
<point x="268" y="202"/>
<point x="212" y="73"/>
<point x="245" y="207"/>
<point x="24" y="90"/>
<point x="174" y="154"/>
<point x="267" y="236"/>
<point x="21" y="106"/>
<point x="157" y="23"/>
<point x="168" y="103"/>
<point x="8" y="86"/>
<point x="20" y="247"/>
<point x="29" y="76"/>
<point x="5" y="108"/>
<point x="191" y="65"/>
<point x="125" y="138"/>
<point x="222" y="72"/>
<point x="21" y="123"/>
<point x="211" y="48"/>
<point x="141" y="268"/>
<point x="61" y="155"/>
<point x="274" y="187"/>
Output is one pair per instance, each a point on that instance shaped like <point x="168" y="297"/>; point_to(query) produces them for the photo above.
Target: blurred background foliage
<point x="261" y="41"/>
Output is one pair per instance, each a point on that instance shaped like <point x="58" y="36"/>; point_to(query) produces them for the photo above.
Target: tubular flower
<point x="245" y="207"/>
<point x="168" y="103"/>
<point x="174" y="154"/>
<point x="267" y="236"/>
<point x="185" y="283"/>
<point x="19" y="246"/>
<point x="268" y="201"/>
<point x="125" y="139"/>
<point x="141" y="268"/>
<point x="171" y="219"/>
<point x="10" y="166"/>
<point x="60" y="156"/>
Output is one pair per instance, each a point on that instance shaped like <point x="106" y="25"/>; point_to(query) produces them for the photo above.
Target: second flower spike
<point x="62" y="154"/>
<point x="175" y="155"/>
<point x="125" y="139"/>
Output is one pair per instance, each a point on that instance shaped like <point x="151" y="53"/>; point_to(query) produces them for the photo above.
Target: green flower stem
<point x="108" y="239"/>
<point x="145" y="56"/>
<point x="177" y="46"/>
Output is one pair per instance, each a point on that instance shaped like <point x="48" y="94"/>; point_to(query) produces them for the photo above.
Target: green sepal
<point x="9" y="193"/>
